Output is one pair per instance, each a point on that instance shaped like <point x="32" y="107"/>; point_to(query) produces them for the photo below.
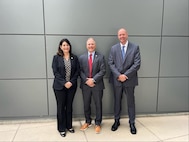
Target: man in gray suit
<point x="124" y="62"/>
<point x="92" y="70"/>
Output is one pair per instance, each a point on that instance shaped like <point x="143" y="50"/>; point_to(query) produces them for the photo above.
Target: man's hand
<point x="90" y="82"/>
<point x="122" y="78"/>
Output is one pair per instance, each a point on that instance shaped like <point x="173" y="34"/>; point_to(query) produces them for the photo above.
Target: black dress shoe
<point x="63" y="134"/>
<point x="133" y="129"/>
<point x="71" y="130"/>
<point x="115" y="125"/>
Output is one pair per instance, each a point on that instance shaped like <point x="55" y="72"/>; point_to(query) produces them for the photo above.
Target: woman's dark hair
<point x="60" y="52"/>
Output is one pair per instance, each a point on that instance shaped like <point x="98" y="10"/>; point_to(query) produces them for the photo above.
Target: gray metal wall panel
<point x="51" y="98"/>
<point x="26" y="51"/>
<point x="23" y="98"/>
<point x="150" y="53"/>
<point x="22" y="56"/>
<point x="174" y="56"/>
<point x="99" y="17"/>
<point x="173" y="94"/>
<point x="176" y="17"/>
<point x="146" y="95"/>
<point x="21" y="16"/>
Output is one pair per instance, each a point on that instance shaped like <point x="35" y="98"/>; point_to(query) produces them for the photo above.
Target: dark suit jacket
<point x="60" y="72"/>
<point x="98" y="70"/>
<point x="128" y="66"/>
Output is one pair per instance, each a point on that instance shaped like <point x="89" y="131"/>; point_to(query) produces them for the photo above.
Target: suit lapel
<point x="61" y="60"/>
<point x="120" y="53"/>
<point x="95" y="57"/>
<point x="71" y="60"/>
<point x="128" y="51"/>
<point x="87" y="64"/>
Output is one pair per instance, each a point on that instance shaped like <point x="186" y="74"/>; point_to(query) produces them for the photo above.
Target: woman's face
<point x="65" y="47"/>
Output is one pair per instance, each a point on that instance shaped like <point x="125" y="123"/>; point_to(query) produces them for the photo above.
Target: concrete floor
<point x="163" y="128"/>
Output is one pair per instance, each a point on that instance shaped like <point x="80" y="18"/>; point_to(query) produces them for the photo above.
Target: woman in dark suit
<point x="65" y="67"/>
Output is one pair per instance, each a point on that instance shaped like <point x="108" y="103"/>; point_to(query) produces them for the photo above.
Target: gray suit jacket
<point x="128" y="66"/>
<point x="98" y="70"/>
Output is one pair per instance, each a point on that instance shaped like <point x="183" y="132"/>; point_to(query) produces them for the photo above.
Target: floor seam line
<point x="16" y="133"/>
<point x="150" y="130"/>
<point x="84" y="132"/>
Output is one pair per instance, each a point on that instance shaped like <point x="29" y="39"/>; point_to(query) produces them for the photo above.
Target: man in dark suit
<point x="92" y="70"/>
<point x="124" y="62"/>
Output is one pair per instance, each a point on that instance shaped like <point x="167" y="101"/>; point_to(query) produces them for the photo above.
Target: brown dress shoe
<point x="97" y="129"/>
<point x="85" y="126"/>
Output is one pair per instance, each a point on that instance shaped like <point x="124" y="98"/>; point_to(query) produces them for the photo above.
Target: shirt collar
<point x="126" y="44"/>
<point x="91" y="53"/>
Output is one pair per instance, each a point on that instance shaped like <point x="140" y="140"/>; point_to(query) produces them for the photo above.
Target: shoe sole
<point x="97" y="132"/>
